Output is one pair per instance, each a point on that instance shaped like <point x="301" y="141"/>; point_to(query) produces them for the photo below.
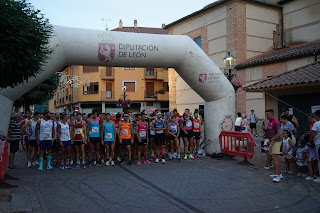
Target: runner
<point x="94" y="134"/>
<point x="159" y="126"/>
<point x="134" y="146"/>
<point x="108" y="139"/>
<point x="25" y="136"/>
<point x="102" y="118"/>
<point x="44" y="133"/>
<point x="151" y="137"/>
<point x="196" y="124"/>
<point x="56" y="143"/>
<point x="116" y="121"/>
<point x="187" y="135"/>
<point x="143" y="139"/>
<point x="126" y="136"/>
<point x="79" y="129"/>
<point x="64" y="132"/>
<point x="173" y="132"/>
<point x="32" y="147"/>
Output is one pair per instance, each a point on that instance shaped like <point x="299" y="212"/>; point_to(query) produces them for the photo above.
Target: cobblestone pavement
<point x="201" y="185"/>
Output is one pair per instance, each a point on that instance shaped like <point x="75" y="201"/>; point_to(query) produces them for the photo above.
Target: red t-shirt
<point x="273" y="127"/>
<point x="116" y="123"/>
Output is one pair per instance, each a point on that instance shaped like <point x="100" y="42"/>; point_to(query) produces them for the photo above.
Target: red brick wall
<point x="240" y="94"/>
<point x="273" y="69"/>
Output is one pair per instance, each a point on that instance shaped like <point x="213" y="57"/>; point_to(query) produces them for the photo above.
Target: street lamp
<point x="229" y="61"/>
<point x="124" y="89"/>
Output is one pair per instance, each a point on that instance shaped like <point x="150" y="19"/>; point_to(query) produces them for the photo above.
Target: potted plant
<point x="236" y="85"/>
<point x="161" y="91"/>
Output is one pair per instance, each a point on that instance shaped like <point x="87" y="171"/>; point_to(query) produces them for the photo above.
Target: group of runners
<point x="82" y="140"/>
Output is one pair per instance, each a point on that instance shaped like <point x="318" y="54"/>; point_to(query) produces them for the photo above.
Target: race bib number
<point x="159" y="131"/>
<point x="95" y="129"/>
<point x="142" y="134"/>
<point x="124" y="132"/>
<point x="65" y="134"/>
<point x="188" y="123"/>
<point x="173" y="128"/>
<point x="196" y="125"/>
<point x="108" y="135"/>
<point x="78" y="131"/>
<point x="46" y="136"/>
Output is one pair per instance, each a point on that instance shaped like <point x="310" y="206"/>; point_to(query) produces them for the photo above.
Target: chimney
<point x="120" y="24"/>
<point x="163" y="26"/>
<point x="135" y="23"/>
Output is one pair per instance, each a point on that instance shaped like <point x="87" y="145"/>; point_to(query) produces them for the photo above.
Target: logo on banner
<point x="107" y="49"/>
<point x="203" y="78"/>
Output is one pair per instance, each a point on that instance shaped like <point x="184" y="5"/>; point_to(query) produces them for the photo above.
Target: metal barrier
<point x="238" y="144"/>
<point x="3" y="158"/>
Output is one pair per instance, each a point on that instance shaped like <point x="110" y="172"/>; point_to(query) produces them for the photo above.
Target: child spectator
<point x="301" y="157"/>
<point x="244" y="124"/>
<point x="287" y="152"/>
<point x="311" y="156"/>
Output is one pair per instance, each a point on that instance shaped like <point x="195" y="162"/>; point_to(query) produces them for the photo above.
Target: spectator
<point x="287" y="125"/>
<point x="315" y="139"/>
<point x="14" y="138"/>
<point x="244" y="124"/>
<point x="291" y="118"/>
<point x="273" y="133"/>
<point x="253" y="122"/>
<point x="287" y="148"/>
<point x="238" y="122"/>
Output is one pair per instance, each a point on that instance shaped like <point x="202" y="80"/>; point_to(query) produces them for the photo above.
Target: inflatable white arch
<point x="72" y="46"/>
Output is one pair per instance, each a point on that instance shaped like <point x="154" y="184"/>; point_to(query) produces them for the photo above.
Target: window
<point x="63" y="96"/>
<point x="92" y="89"/>
<point x="131" y="86"/>
<point x="149" y="72"/>
<point x="165" y="86"/>
<point x="89" y="69"/>
<point x="128" y="68"/>
<point x="150" y="103"/>
<point x="67" y="94"/>
<point x="198" y="41"/>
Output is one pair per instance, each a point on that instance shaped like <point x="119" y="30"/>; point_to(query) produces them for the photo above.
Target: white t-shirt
<point x="316" y="128"/>
<point x="238" y="121"/>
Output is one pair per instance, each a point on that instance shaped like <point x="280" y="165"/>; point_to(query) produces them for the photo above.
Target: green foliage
<point x="24" y="39"/>
<point x="161" y="91"/>
<point x="40" y="94"/>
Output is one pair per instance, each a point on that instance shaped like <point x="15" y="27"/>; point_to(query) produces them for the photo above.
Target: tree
<point x="40" y="94"/>
<point x="24" y="39"/>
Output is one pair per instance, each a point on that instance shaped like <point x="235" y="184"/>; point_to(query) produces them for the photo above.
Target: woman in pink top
<point x="244" y="124"/>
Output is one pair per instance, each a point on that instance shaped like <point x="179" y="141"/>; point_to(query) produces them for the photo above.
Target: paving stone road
<point x="202" y="185"/>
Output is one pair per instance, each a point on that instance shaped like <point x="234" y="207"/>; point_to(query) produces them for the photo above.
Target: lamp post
<point x="229" y="61"/>
<point x="124" y="89"/>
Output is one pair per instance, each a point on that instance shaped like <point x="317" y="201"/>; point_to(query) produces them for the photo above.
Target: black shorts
<point x="160" y="139"/>
<point x="56" y="144"/>
<point x="14" y="146"/>
<point x="33" y="143"/>
<point x="196" y="135"/>
<point x="172" y="138"/>
<point x="135" y="140"/>
<point x="189" y="135"/>
<point x="94" y="140"/>
<point x="152" y="137"/>
<point x="79" y="143"/>
<point x="253" y="125"/>
<point x="143" y="142"/>
<point x="126" y="142"/>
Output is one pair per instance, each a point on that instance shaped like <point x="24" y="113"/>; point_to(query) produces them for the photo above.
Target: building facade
<point x="243" y="28"/>
<point x="147" y="88"/>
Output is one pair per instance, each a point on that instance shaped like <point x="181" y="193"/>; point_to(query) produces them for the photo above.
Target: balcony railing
<point x="107" y="74"/>
<point x="149" y="96"/>
<point x="150" y="74"/>
<point x="107" y="95"/>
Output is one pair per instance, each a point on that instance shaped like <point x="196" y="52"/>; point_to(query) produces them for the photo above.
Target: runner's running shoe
<point x="185" y="157"/>
<point x="146" y="162"/>
<point x="107" y="163"/>
<point x="157" y="160"/>
<point x="68" y="166"/>
<point x="139" y="163"/>
<point x="61" y="167"/>
<point x="112" y="163"/>
<point x="163" y="161"/>
<point x="49" y="167"/>
<point x="29" y="164"/>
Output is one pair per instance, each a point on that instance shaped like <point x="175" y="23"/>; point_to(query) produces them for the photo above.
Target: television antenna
<point x="74" y="80"/>
<point x="106" y="20"/>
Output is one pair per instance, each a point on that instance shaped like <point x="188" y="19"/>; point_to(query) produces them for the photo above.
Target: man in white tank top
<point x="44" y="136"/>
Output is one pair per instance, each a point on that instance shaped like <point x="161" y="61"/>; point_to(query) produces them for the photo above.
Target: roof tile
<point x="307" y="74"/>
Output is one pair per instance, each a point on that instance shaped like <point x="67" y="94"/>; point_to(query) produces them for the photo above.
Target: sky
<point x="89" y="13"/>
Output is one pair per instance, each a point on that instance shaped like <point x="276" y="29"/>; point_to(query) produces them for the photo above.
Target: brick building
<point x="243" y="28"/>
